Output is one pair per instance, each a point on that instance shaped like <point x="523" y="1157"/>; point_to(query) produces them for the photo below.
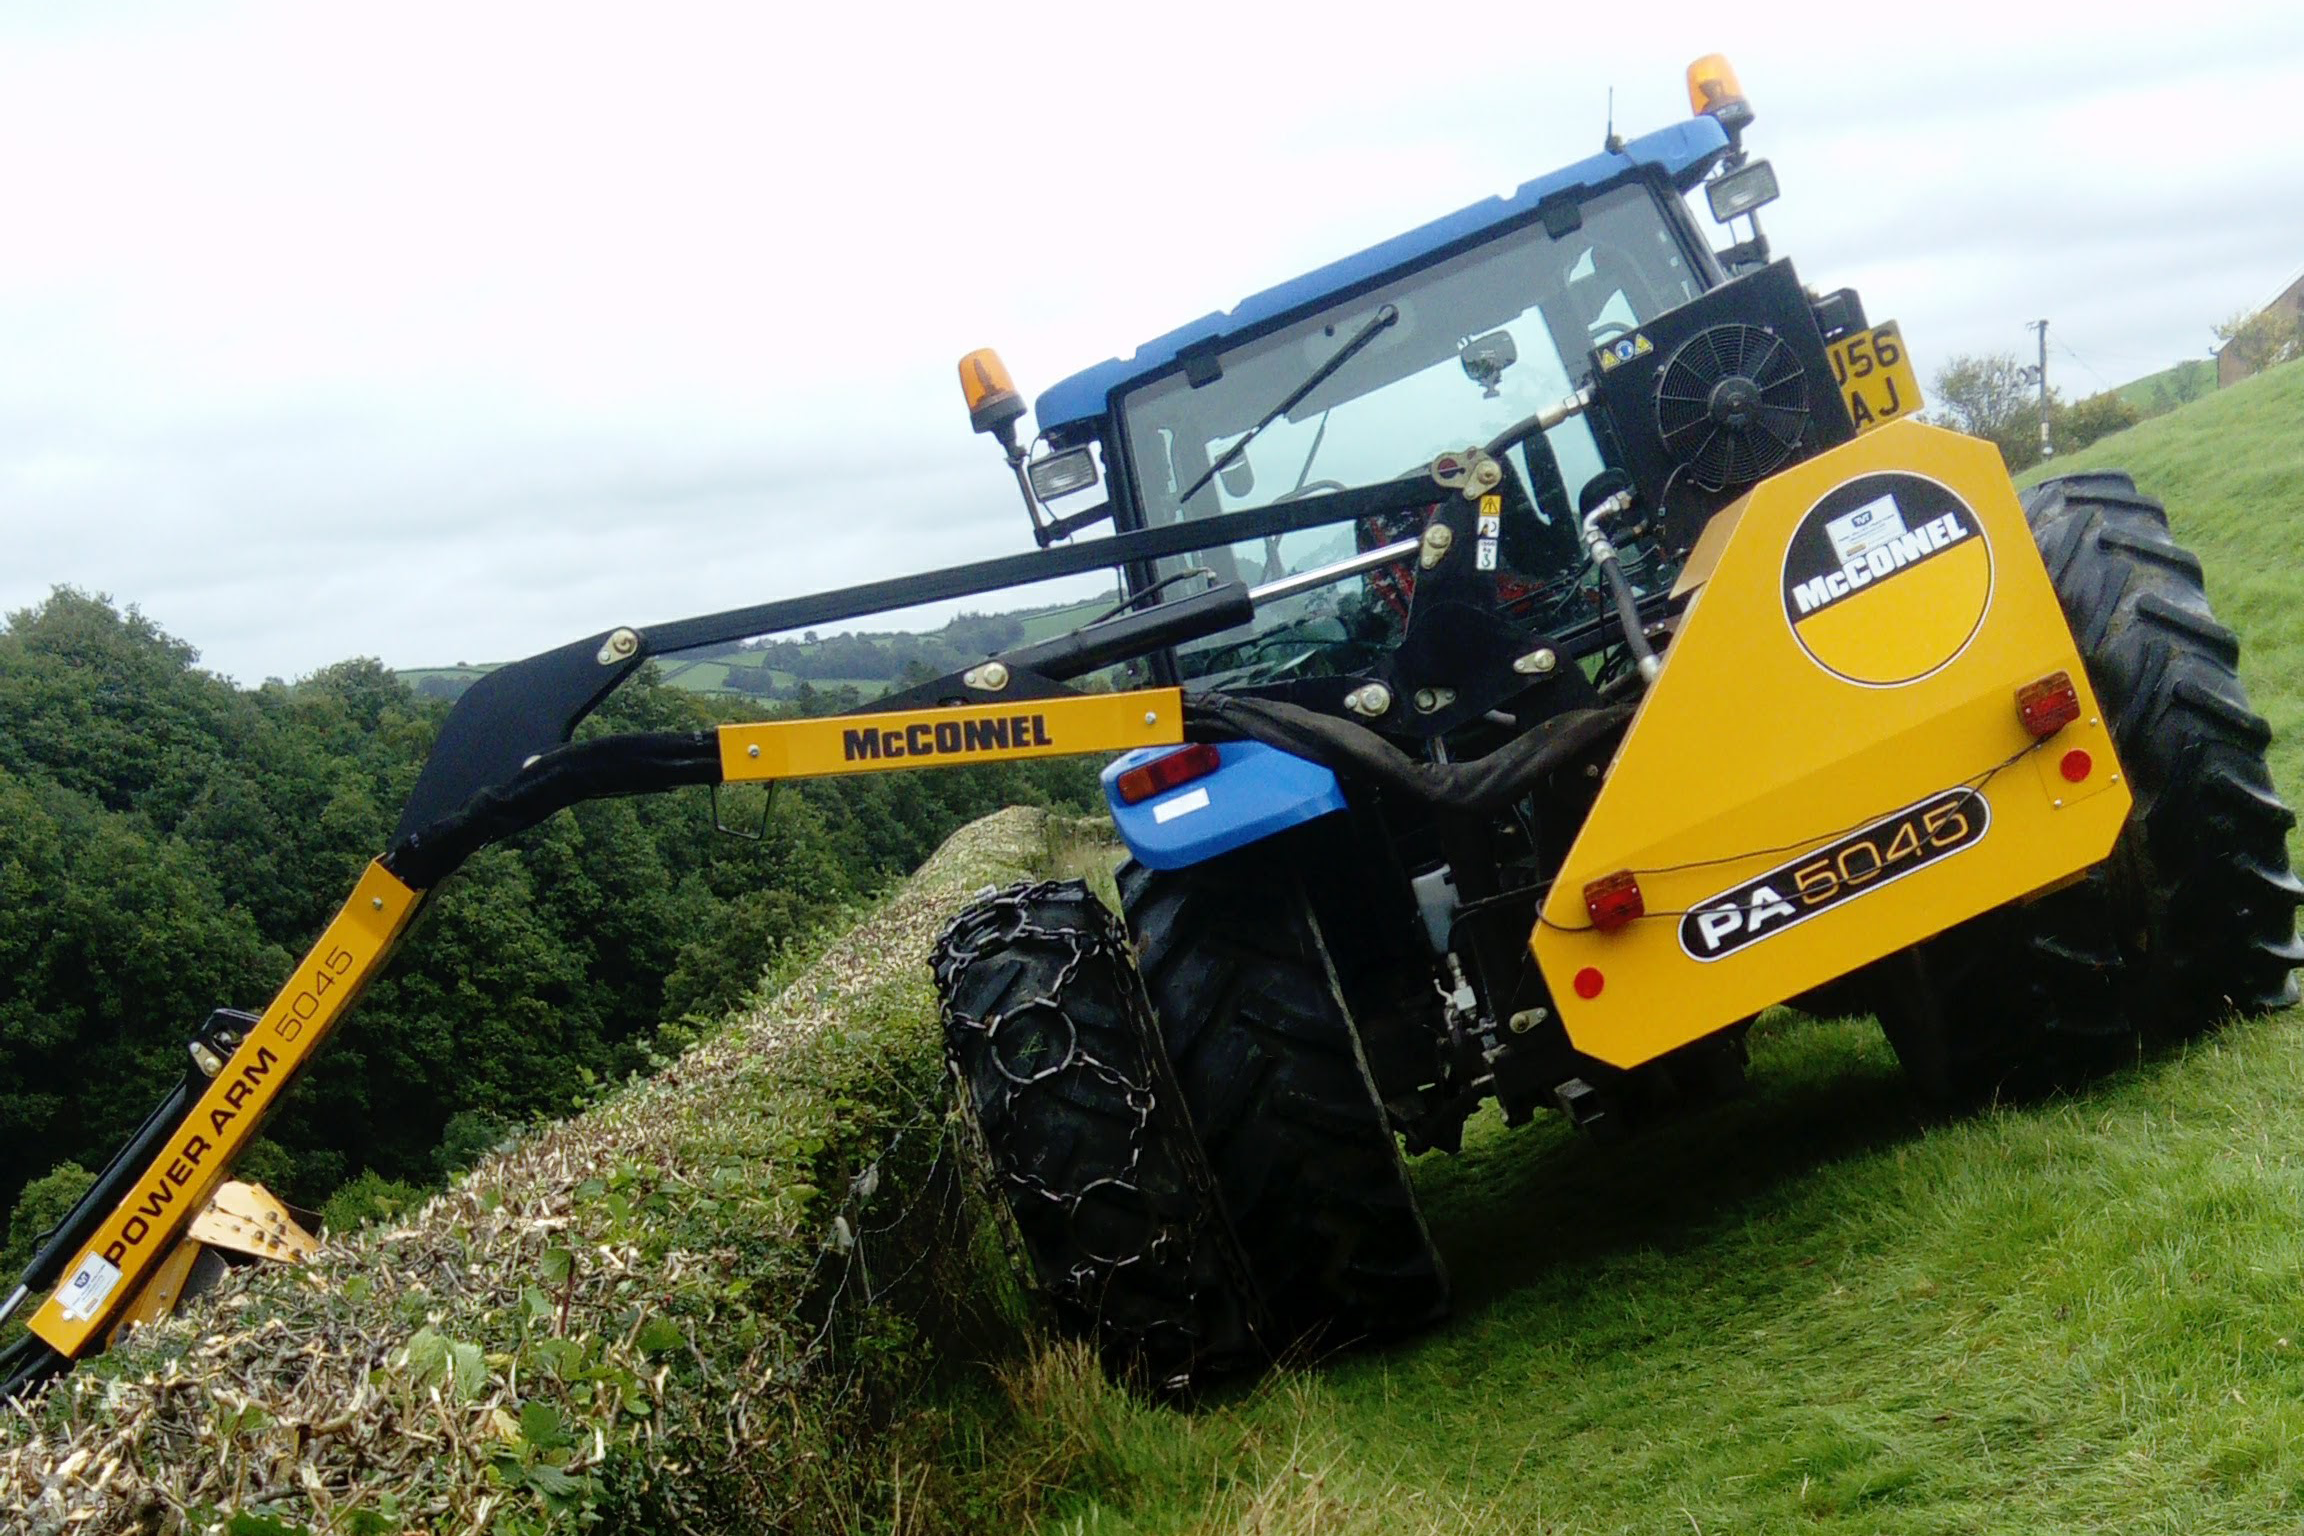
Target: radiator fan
<point x="1731" y="405"/>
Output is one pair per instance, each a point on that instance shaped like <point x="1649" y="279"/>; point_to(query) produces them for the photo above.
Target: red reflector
<point x="2077" y="765"/>
<point x="1614" y="900"/>
<point x="2048" y="705"/>
<point x="1589" y="981"/>
<point x="1166" y="771"/>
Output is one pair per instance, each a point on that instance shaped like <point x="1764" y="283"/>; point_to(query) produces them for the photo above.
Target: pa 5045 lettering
<point x="1849" y="866"/>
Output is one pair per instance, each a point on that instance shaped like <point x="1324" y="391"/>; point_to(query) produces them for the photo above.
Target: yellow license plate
<point x="1875" y="376"/>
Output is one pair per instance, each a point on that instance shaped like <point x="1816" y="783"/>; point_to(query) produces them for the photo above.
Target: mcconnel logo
<point x="1887" y="578"/>
<point x="946" y="738"/>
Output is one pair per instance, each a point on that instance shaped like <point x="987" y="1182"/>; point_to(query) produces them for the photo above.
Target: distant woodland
<point x="169" y="843"/>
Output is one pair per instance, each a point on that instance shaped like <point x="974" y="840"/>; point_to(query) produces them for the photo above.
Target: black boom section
<point x="520" y="712"/>
<point x="509" y="716"/>
<point x="562" y="777"/>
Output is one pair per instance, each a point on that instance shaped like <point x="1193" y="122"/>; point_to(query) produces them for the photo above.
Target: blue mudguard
<point x="1258" y="791"/>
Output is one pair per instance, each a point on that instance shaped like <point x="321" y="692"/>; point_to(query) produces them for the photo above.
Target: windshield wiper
<point x="1386" y="316"/>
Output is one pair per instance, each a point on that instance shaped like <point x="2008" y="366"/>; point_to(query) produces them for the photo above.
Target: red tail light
<point x="2048" y="705"/>
<point x="1166" y="771"/>
<point x="1614" y="901"/>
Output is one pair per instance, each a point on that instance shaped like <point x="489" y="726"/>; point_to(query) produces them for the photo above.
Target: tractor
<point x="1546" y="642"/>
<point x="1703" y="678"/>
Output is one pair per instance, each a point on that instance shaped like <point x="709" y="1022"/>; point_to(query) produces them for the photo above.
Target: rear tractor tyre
<point x="2193" y="918"/>
<point x="1263" y="1043"/>
<point x="1085" y="1133"/>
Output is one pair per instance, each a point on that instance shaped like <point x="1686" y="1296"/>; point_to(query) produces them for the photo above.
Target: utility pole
<point x="2047" y="448"/>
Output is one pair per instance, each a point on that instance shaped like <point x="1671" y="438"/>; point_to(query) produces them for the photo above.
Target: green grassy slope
<point x="2171" y="386"/>
<point x="2231" y="469"/>
<point x="1820" y="1308"/>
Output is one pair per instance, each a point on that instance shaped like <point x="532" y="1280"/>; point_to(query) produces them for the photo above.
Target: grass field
<point x="1821" y="1307"/>
<point x="2174" y="385"/>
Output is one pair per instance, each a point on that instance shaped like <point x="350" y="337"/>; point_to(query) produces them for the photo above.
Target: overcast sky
<point x="443" y="332"/>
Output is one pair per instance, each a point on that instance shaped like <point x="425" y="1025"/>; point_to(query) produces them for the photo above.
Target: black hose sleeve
<point x="565" y="776"/>
<point x="1481" y="784"/>
<point x="25" y="1364"/>
<point x="1628" y="614"/>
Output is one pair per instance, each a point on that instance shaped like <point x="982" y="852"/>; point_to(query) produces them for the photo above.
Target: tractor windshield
<point x="1480" y="341"/>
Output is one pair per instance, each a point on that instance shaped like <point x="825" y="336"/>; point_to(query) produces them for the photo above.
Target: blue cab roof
<point x="1684" y="152"/>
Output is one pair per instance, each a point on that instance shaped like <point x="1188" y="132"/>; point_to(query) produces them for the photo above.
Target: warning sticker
<point x="1616" y="353"/>
<point x="1886" y="578"/>
<point x="83" y="1295"/>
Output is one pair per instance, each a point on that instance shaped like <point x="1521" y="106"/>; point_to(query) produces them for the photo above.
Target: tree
<point x="169" y="843"/>
<point x="45" y="1202"/>
<point x="2079" y="424"/>
<point x="1993" y="397"/>
<point x="2264" y="339"/>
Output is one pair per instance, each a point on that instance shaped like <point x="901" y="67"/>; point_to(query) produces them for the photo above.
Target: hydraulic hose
<point x="1612" y="572"/>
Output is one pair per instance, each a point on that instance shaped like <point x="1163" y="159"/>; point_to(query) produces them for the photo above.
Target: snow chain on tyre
<point x="1070" y="1096"/>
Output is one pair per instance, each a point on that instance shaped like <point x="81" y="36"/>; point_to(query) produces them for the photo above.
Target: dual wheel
<point x="1178" y="1118"/>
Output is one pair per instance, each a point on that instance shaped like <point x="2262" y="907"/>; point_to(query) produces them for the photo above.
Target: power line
<point x="2083" y="362"/>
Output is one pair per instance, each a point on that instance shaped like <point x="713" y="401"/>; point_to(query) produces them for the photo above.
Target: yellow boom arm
<point x="125" y="1249"/>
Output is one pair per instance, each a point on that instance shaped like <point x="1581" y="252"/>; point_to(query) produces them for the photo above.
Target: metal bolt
<point x="1527" y="1019"/>
<point x="1430" y="699"/>
<point x="1372" y="699"/>
<point x="752" y="750"/>
<point x="2058" y="804"/>
<point x="1151" y="717"/>
<point x="992" y="676"/>
<point x="377" y="902"/>
<point x="1437" y="538"/>
<point x="1537" y="662"/>
<point x="1591" y="770"/>
<point x="619" y="645"/>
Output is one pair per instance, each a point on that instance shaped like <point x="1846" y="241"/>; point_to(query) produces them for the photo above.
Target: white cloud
<point x="451" y="331"/>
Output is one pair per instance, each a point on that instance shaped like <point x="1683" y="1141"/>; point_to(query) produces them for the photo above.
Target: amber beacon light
<point x="993" y="404"/>
<point x="1713" y="92"/>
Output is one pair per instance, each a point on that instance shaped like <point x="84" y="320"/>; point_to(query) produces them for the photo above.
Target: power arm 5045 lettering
<point x="328" y="973"/>
<point x="160" y="1193"/>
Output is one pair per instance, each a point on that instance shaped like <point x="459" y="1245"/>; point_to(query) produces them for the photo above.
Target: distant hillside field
<point x="2179" y="384"/>
<point x="784" y="668"/>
